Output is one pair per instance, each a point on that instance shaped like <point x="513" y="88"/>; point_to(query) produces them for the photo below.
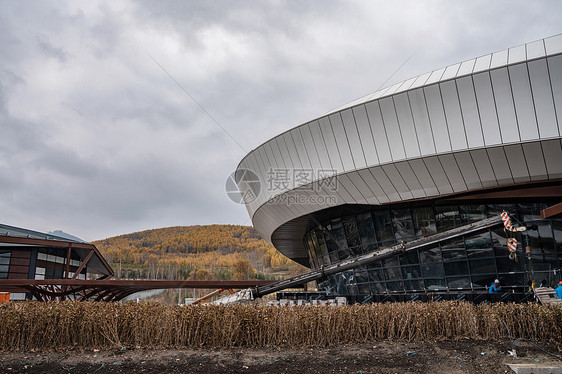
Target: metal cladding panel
<point x="365" y="135"/>
<point x="524" y="106"/>
<point x="342" y="142"/>
<point x="295" y="157"/>
<point x="310" y="147"/>
<point x="499" y="59"/>
<point x="320" y="146"/>
<point x="486" y="122"/>
<point x="379" y="132"/>
<point x="500" y="165"/>
<point x="535" y="161"/>
<point x="517" y="163"/>
<point x="284" y="152"/>
<point x="535" y="49"/>
<point x="468" y="170"/>
<point x="331" y="146"/>
<point x="466" y="67"/>
<point x="421" y="122"/>
<point x="516" y="54"/>
<point x="487" y="108"/>
<point x="392" y="129"/>
<point x="453" y="173"/>
<point x="438" y="175"/>
<point x="410" y="179"/>
<point x="552" y="155"/>
<point x="553" y="44"/>
<point x="542" y="99"/>
<point x="437" y="119"/>
<point x="269" y="152"/>
<point x="420" y="81"/>
<point x="347" y="184"/>
<point x="482" y="63"/>
<point x="353" y="138"/>
<point x="451" y="71"/>
<point x="504" y="104"/>
<point x="484" y="168"/>
<point x="423" y="175"/>
<point x="398" y="182"/>
<point x="361" y="184"/>
<point x="374" y="186"/>
<point x="406" y="124"/>
<point x="435" y="76"/>
<point x="343" y="192"/>
<point x="470" y="115"/>
<point x="385" y="184"/>
<point x="301" y="150"/>
<point x="281" y="162"/>
<point x="453" y="115"/>
<point x="555" y="68"/>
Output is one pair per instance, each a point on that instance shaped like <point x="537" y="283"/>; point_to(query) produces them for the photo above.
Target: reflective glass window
<point x="435" y="284"/>
<point x="557" y="229"/>
<point x="453" y="250"/>
<point x="456" y="268"/>
<point x="383" y="225"/>
<point x="395" y="286"/>
<point x="506" y="265"/>
<point x="413" y="285"/>
<point x="447" y="217"/>
<point x="411" y="272"/>
<point x="322" y="253"/>
<point x="483" y="281"/>
<point x="424" y="221"/>
<point x="541" y="239"/>
<point x="409" y="258"/>
<point x="366" y="231"/>
<point x="530" y="212"/>
<point x="459" y="282"/>
<point x="484" y="266"/>
<point x="402" y="224"/>
<point x="479" y="245"/>
<point x="472" y="213"/>
<point x="430" y="255"/>
<point x="352" y="234"/>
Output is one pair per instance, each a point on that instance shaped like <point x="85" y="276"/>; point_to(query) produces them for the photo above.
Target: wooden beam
<point x="551" y="211"/>
<point x="88" y="257"/>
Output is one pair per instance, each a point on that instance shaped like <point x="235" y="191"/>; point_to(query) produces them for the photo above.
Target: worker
<point x="495" y="287"/>
<point x="559" y="290"/>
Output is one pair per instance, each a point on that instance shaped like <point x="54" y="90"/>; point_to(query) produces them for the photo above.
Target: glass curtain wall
<point x="469" y="263"/>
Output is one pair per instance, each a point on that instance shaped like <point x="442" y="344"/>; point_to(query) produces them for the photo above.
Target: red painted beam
<point x="132" y="284"/>
<point x="551" y="211"/>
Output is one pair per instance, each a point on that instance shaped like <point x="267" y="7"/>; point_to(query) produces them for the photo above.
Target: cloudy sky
<point x="111" y="111"/>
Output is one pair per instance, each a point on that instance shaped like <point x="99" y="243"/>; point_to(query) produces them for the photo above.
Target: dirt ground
<point x="464" y="356"/>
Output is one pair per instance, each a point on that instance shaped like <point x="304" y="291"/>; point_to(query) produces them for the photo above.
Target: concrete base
<point x="537" y="368"/>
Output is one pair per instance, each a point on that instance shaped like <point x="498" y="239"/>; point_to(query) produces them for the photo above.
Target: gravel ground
<point x="463" y="356"/>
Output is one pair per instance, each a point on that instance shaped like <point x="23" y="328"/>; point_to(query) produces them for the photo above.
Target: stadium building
<point x="438" y="151"/>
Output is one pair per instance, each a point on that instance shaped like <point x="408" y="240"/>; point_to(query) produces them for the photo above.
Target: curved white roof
<point x="491" y="121"/>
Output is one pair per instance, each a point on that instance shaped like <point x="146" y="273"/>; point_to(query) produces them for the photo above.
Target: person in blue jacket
<point x="495" y="287"/>
<point x="559" y="290"/>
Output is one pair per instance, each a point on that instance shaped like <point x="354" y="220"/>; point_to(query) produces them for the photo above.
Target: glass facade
<point x="464" y="264"/>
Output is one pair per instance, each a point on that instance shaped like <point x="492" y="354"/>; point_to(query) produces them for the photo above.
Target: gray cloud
<point x="97" y="140"/>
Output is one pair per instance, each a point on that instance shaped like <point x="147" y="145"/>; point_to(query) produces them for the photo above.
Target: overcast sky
<point x="98" y="139"/>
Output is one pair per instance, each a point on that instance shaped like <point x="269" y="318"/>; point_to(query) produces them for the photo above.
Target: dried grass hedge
<point x="34" y="325"/>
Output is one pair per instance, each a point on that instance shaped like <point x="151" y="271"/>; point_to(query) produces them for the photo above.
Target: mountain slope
<point x="196" y="252"/>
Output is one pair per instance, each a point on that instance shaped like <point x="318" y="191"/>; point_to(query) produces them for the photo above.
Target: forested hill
<point x="196" y="252"/>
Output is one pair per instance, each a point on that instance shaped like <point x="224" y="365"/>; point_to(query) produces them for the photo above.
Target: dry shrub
<point x="34" y="325"/>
